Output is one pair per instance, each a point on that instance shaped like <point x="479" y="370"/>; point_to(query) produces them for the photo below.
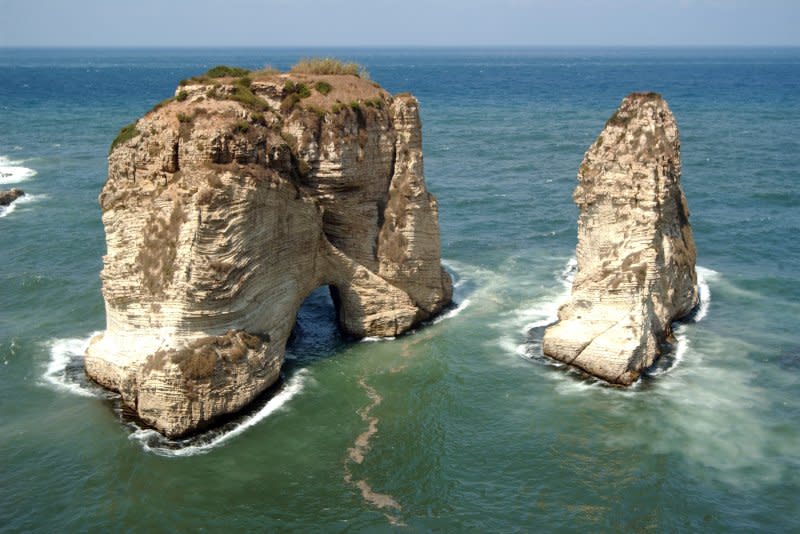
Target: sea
<point x="461" y="425"/>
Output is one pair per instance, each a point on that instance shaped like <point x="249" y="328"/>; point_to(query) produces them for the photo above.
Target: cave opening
<point x="316" y="332"/>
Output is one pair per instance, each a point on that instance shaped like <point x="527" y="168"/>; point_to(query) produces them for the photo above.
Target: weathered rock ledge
<point x="227" y="205"/>
<point x="7" y="197"/>
<point x="636" y="255"/>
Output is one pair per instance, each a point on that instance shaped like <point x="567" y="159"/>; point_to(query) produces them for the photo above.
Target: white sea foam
<point x="64" y="370"/>
<point x="12" y="172"/>
<point x="452" y="312"/>
<point x="152" y="441"/>
<point x="376" y="339"/>
<point x="5" y="211"/>
<point x="545" y="312"/>
<point x="681" y="330"/>
<point x="541" y="313"/>
<point x="704" y="275"/>
<point x="569" y="272"/>
<point x="462" y="288"/>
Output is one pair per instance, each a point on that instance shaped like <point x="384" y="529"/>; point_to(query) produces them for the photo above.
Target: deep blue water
<point x="476" y="432"/>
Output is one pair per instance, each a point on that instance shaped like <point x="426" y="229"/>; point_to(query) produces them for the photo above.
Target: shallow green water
<point x="471" y="429"/>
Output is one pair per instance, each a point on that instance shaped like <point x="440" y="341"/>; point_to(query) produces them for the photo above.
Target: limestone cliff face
<point x="225" y="207"/>
<point x="636" y="255"/>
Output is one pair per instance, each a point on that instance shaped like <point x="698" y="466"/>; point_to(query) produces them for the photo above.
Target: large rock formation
<point x="7" y="197"/>
<point x="636" y="256"/>
<point x="227" y="205"/>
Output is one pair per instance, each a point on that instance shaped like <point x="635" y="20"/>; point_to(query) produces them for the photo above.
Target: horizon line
<point x="388" y="47"/>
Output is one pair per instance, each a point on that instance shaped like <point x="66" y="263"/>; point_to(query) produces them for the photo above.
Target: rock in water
<point x="636" y="255"/>
<point x="227" y="205"/>
<point x="7" y="197"/>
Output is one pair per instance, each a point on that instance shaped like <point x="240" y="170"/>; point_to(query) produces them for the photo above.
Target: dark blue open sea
<point x="468" y="429"/>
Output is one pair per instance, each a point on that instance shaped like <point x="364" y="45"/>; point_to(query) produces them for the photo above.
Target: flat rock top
<point x="344" y="88"/>
<point x="325" y="90"/>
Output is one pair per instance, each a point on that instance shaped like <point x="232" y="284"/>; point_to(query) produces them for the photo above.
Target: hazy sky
<point x="397" y="22"/>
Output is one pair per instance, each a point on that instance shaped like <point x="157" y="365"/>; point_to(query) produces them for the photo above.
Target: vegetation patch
<point x="290" y="101"/>
<point x="319" y="112"/>
<point x="241" y="127"/>
<point x="198" y="360"/>
<point x="376" y="102"/>
<point x="157" y="255"/>
<point x="246" y="97"/>
<point x="290" y="140"/>
<point x="329" y="65"/>
<point x="300" y="89"/>
<point x="126" y="133"/>
<point x="183" y="118"/>
<point x="258" y="118"/>
<point x="323" y="88"/>
<point x="268" y="70"/>
<point x="225" y="71"/>
<point x="295" y="92"/>
<point x="181" y="96"/>
<point x="648" y="95"/>
<point x="619" y="119"/>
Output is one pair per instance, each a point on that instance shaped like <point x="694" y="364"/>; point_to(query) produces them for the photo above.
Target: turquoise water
<point x="460" y="426"/>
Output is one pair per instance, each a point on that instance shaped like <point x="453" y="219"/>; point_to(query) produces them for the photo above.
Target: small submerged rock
<point x="7" y="197"/>
<point x="636" y="255"/>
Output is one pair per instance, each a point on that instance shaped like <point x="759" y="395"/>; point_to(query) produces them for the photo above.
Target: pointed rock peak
<point x="636" y="255"/>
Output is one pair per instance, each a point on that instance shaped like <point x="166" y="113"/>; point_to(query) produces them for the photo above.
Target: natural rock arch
<point x="226" y="207"/>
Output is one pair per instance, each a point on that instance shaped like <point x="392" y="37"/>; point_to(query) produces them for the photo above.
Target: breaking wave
<point x="152" y="441"/>
<point x="462" y="288"/>
<point x="531" y="323"/>
<point x="12" y="172"/>
<point x="25" y="199"/>
<point x="65" y="372"/>
<point x="671" y="359"/>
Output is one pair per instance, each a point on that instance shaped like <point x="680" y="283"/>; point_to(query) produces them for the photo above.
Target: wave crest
<point x="12" y="172"/>
<point x="25" y="199"/>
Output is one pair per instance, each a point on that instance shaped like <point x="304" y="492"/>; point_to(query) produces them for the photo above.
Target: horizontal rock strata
<point x="636" y="255"/>
<point x="227" y="205"/>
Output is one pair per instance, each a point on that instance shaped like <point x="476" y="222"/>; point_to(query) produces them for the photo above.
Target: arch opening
<point x="316" y="333"/>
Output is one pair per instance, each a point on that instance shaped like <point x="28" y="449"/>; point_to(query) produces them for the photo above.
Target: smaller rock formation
<point x="7" y="197"/>
<point x="636" y="255"/>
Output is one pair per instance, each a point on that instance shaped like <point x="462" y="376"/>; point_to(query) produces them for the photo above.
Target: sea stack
<point x="636" y="255"/>
<point x="227" y="205"/>
<point x="7" y="197"/>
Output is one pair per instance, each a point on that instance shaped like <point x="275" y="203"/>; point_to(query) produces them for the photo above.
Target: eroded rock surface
<point x="7" y="197"/>
<point x="636" y="255"/>
<point x="226" y="206"/>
